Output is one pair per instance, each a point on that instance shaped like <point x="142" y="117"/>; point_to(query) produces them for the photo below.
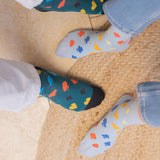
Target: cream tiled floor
<point x="32" y="36"/>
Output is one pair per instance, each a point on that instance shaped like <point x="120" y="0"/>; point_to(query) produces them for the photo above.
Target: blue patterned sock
<point x="81" y="43"/>
<point x="102" y="136"/>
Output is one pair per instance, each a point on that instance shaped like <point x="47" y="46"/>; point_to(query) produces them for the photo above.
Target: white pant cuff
<point x="30" y="3"/>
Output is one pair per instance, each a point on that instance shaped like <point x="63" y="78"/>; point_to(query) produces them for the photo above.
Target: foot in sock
<point x="69" y="93"/>
<point x="83" y="6"/>
<point x="81" y="43"/>
<point x="103" y="135"/>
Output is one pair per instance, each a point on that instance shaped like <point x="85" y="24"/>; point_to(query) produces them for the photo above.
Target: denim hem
<point x="114" y="22"/>
<point x="141" y="98"/>
<point x="139" y="27"/>
<point x="142" y="103"/>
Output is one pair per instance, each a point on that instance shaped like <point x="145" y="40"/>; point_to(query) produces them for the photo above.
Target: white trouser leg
<point x="30" y="3"/>
<point x="19" y="85"/>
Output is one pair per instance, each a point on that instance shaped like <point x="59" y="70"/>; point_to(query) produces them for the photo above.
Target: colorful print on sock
<point x="73" y="106"/>
<point x="41" y="91"/>
<point x="72" y="42"/>
<point x="114" y="108"/>
<point x="83" y="6"/>
<point x="52" y="94"/>
<point x="81" y="33"/>
<point x="85" y="42"/>
<point x="69" y="93"/>
<point x="96" y="47"/>
<point x="80" y="49"/>
<point x="75" y="82"/>
<point x="93" y="136"/>
<point x="104" y="123"/>
<point x="50" y="80"/>
<point x="65" y="86"/>
<point x="115" y="126"/>
<point x="61" y="4"/>
<point x="116" y="115"/>
<point x="94" y="5"/>
<point x="87" y="39"/>
<point x="74" y="57"/>
<point x="87" y="101"/>
<point x="100" y="36"/>
<point x="103" y="135"/>
<point x="95" y="145"/>
<point x="107" y="143"/>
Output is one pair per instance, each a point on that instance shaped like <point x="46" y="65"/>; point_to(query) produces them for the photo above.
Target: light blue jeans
<point x="132" y="16"/>
<point x="149" y="100"/>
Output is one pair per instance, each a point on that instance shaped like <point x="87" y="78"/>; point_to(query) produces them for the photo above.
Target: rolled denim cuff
<point x="149" y="100"/>
<point x="132" y="16"/>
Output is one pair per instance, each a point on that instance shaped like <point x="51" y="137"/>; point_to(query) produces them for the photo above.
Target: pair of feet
<point x="78" y="96"/>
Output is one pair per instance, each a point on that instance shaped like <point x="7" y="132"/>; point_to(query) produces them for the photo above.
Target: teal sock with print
<point x="83" y="6"/>
<point x="69" y="93"/>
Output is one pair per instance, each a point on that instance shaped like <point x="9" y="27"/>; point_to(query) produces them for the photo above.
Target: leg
<point x="128" y="18"/>
<point x="127" y="111"/>
<point x="135" y="15"/>
<point x="21" y="84"/>
<point x="69" y="93"/>
<point x="103" y="135"/>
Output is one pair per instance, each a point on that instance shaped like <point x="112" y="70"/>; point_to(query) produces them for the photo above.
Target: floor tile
<point x="99" y="22"/>
<point x="20" y="132"/>
<point x="32" y="36"/>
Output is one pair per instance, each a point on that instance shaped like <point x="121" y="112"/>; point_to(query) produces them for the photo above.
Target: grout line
<point x="90" y="21"/>
<point x="49" y="101"/>
<point x="96" y="16"/>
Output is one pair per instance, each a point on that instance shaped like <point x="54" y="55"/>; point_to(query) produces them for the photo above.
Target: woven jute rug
<point x="117" y="74"/>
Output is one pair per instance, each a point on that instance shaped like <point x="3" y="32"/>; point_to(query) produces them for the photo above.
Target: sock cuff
<point x="29" y="3"/>
<point x="123" y="34"/>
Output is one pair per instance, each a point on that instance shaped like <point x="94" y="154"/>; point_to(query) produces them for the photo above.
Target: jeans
<point x="132" y="16"/>
<point x="149" y="100"/>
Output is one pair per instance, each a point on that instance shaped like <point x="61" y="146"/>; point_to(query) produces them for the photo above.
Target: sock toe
<point x="63" y="50"/>
<point x="97" y="98"/>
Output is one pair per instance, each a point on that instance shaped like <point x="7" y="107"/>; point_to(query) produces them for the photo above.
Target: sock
<point x="83" y="6"/>
<point x="81" y="43"/>
<point x="69" y="93"/>
<point x="103" y="135"/>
